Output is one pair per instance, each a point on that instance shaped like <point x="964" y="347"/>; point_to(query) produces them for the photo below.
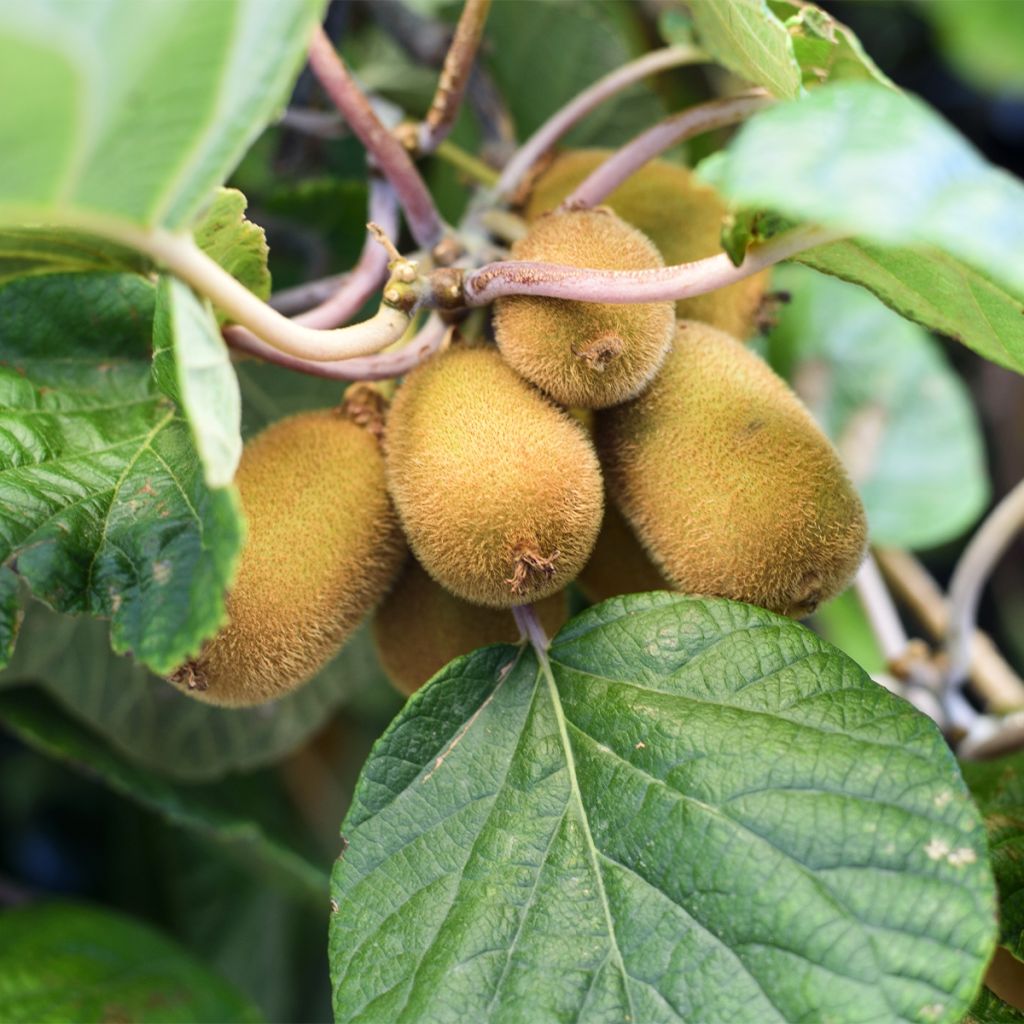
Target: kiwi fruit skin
<point x="585" y="354"/>
<point x="499" y="491"/>
<point x="728" y="482"/>
<point x="619" y="564"/>
<point x="421" y="627"/>
<point x="681" y="215"/>
<point x="322" y="548"/>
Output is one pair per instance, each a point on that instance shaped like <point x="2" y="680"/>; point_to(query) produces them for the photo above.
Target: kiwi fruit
<point x="619" y="564"/>
<point x="587" y="354"/>
<point x="730" y="485"/>
<point x="681" y="216"/>
<point x="499" y="491"/>
<point x="322" y="548"/>
<point x="421" y="627"/>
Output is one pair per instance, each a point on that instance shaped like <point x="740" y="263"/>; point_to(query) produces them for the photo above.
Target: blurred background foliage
<point x="219" y="827"/>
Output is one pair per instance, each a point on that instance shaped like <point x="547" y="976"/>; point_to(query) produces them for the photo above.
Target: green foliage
<point x="30" y="251"/>
<point x="63" y="961"/>
<point x="697" y="811"/>
<point x="884" y="393"/>
<point x="237" y="244"/>
<point x="988" y="1008"/>
<point x="883" y="167"/>
<point x="998" y="788"/>
<point x="146" y="132"/>
<point x="102" y="500"/>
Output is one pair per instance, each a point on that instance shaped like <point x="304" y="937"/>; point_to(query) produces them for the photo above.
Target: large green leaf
<point x="192" y="366"/>
<point x="155" y="725"/>
<point x="935" y="289"/>
<point x="748" y="39"/>
<point x="882" y="166"/>
<point x="998" y="786"/>
<point x="103" y="505"/>
<point x="62" y="961"/>
<point x="698" y="811"/>
<point x="137" y="110"/>
<point x="226" y="813"/>
<point x="25" y="251"/>
<point x="884" y="393"/>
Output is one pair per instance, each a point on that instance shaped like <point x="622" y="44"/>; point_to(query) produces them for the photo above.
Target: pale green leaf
<point x="64" y="962"/>
<point x="191" y="365"/>
<point x="749" y="40"/>
<point x="25" y="251"/>
<point x="899" y="415"/>
<point x="699" y="811"/>
<point x="103" y="507"/>
<point x="137" y="110"/>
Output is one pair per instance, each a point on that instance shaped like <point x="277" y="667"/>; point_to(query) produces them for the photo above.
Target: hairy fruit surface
<point x="587" y="354"/>
<point x="421" y="627"/>
<point x="681" y="216"/>
<point x="323" y="546"/>
<point x="499" y="491"/>
<point x="729" y="483"/>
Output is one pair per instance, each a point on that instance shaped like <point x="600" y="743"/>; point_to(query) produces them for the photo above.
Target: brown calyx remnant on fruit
<point x="588" y="354"/>
<point x="529" y="565"/>
<point x="729" y="483"/>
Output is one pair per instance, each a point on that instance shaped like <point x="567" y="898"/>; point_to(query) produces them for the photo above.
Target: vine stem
<point x="530" y="627"/>
<point x="880" y="609"/>
<point x="451" y="85"/>
<point x="562" y="120"/>
<point x="387" y="152"/>
<point x="382" y="366"/>
<point x="370" y="271"/>
<point x="971" y="574"/>
<point x="655" y="140"/>
<point x="581" y="284"/>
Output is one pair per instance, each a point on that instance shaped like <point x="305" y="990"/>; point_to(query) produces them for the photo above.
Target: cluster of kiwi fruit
<point x="623" y="447"/>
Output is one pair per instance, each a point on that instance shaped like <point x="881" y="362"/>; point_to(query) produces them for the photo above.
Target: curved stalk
<point x="382" y="366"/>
<point x="387" y="152"/>
<point x="653" y="142"/>
<point x="576" y="109"/>
<point x="582" y="284"/>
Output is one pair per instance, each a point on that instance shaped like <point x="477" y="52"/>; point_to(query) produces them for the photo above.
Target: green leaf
<point x="102" y="499"/>
<point x="237" y="244"/>
<point x="699" y="811"/>
<point x="65" y="961"/>
<point x="882" y="166"/>
<point x="844" y="624"/>
<point x="225" y="813"/>
<point x="25" y="251"/>
<point x="998" y="787"/>
<point x="749" y="40"/>
<point x="883" y="391"/>
<point x="153" y="724"/>
<point x="148" y="130"/>
<point x="935" y="289"/>
<point x="982" y="39"/>
<point x="191" y="365"/>
<point x="10" y="613"/>
<point x="988" y="1008"/>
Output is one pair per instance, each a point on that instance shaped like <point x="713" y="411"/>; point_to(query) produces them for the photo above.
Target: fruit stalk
<point x="652" y="143"/>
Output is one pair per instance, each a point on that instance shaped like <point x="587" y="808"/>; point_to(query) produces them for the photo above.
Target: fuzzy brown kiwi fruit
<point x="729" y="483"/>
<point x="322" y="548"/>
<point x="619" y="564"/>
<point x="587" y="354"/>
<point x="681" y="216"/>
<point x="420" y="627"/>
<point x="499" y="491"/>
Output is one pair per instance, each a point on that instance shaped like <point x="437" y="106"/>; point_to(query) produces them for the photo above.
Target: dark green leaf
<point x="25" y="251"/>
<point x="154" y="724"/>
<point x="998" y="787"/>
<point x="884" y="167"/>
<point x="145" y="133"/>
<point x="748" y="39"/>
<point x="102" y="499"/>
<point x="10" y="613"/>
<point x="699" y="812"/>
<point x="225" y="813"/>
<point x="882" y="390"/>
<point x="935" y="289"/>
<point x="191" y="365"/>
<point x="64" y="961"/>
<point x="237" y="244"/>
<point x="988" y="1008"/>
